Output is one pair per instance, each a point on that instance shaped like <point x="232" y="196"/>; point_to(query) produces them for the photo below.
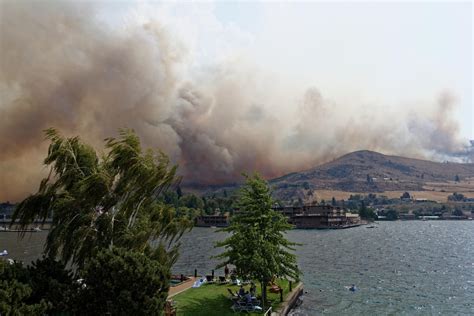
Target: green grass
<point x="213" y="299"/>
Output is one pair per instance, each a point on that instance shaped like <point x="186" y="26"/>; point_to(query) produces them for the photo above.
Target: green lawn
<point x="213" y="299"/>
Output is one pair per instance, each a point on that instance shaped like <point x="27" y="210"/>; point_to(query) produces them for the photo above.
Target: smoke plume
<point x="62" y="67"/>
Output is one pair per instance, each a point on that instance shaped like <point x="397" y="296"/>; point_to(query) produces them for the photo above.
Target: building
<point x="212" y="221"/>
<point x="319" y="216"/>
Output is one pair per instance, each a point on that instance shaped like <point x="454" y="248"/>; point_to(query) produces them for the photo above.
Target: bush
<point x="15" y="291"/>
<point x="122" y="282"/>
<point x="50" y="281"/>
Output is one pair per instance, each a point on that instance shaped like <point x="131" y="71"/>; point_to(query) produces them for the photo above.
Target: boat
<point x="4" y="253"/>
<point x="371" y="226"/>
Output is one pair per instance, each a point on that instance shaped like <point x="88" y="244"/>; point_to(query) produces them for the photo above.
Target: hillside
<point x="368" y="171"/>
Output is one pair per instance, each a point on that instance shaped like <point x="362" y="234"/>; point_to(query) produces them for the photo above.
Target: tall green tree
<point x="257" y="245"/>
<point x="100" y="201"/>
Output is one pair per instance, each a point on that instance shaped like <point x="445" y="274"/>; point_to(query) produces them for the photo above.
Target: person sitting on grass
<point x="248" y="297"/>
<point x="253" y="289"/>
<point x="241" y="291"/>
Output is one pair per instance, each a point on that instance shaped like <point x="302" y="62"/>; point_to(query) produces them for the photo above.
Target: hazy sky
<point x="235" y="86"/>
<point x="384" y="54"/>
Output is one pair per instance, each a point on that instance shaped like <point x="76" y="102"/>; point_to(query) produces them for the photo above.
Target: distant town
<point x="217" y="211"/>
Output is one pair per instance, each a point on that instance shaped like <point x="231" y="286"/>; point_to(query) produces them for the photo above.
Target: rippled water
<point x="410" y="267"/>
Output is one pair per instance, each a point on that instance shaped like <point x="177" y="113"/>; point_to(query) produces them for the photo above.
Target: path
<point x="182" y="287"/>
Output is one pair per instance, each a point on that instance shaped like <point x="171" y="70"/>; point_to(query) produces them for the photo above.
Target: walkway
<point x="182" y="287"/>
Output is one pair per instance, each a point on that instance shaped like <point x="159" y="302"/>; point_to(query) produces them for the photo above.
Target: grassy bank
<point x="214" y="299"/>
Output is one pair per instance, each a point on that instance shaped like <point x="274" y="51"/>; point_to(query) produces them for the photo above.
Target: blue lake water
<point x="399" y="268"/>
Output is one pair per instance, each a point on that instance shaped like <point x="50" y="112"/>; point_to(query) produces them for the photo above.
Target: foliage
<point x="15" y="291"/>
<point x="458" y="197"/>
<point x="366" y="213"/>
<point x="405" y="195"/>
<point x="122" y="282"/>
<point x="109" y="221"/>
<point x="53" y="283"/>
<point x="392" y="214"/>
<point x="199" y="205"/>
<point x="102" y="201"/>
<point x="257" y="246"/>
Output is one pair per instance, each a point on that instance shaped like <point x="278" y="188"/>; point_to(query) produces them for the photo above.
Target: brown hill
<point x="368" y="171"/>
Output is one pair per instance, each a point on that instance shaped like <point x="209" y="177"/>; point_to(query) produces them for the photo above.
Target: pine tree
<point x="257" y="246"/>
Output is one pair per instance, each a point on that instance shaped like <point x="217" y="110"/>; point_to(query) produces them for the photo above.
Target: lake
<point x="402" y="267"/>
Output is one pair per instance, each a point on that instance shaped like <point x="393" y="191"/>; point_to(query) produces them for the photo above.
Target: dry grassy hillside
<point x="367" y="171"/>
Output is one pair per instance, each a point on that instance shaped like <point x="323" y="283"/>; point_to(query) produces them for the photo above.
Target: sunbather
<point x="241" y="291"/>
<point x="248" y="297"/>
<point x="253" y="289"/>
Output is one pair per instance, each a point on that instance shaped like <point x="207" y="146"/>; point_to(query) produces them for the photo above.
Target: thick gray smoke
<point x="60" y="67"/>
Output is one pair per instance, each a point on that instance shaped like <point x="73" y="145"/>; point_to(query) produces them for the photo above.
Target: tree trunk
<point x="264" y="294"/>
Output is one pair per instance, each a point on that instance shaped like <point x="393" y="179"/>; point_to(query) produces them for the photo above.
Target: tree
<point x="456" y="197"/>
<point x="392" y="215"/>
<point x="52" y="282"/>
<point x="405" y="195"/>
<point x="15" y="291"/>
<point x="122" y="282"/>
<point x="365" y="212"/>
<point x="333" y="201"/>
<point x="179" y="192"/>
<point x="101" y="201"/>
<point x="257" y="245"/>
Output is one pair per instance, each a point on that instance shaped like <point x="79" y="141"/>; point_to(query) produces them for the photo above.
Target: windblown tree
<point x="101" y="201"/>
<point x="257" y="245"/>
<point x="107" y="201"/>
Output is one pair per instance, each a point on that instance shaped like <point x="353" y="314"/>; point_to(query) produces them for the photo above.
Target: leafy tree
<point x="192" y="201"/>
<point x="52" y="282"/>
<point x="121" y="282"/>
<point x="257" y="245"/>
<point x="392" y="214"/>
<point x="101" y="201"/>
<point x="405" y="195"/>
<point x="179" y="192"/>
<point x="456" y="197"/>
<point x="366" y="213"/>
<point x="15" y="291"/>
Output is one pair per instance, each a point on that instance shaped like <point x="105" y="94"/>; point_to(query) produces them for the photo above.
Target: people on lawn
<point x="241" y="291"/>
<point x="253" y="289"/>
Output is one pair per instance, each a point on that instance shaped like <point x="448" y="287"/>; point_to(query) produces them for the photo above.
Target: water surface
<point x="399" y="268"/>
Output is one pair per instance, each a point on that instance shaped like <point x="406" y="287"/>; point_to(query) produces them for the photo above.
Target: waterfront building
<point x="216" y="220"/>
<point x="319" y="216"/>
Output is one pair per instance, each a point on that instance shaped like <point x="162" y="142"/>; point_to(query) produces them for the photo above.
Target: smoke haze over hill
<point x="63" y="67"/>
